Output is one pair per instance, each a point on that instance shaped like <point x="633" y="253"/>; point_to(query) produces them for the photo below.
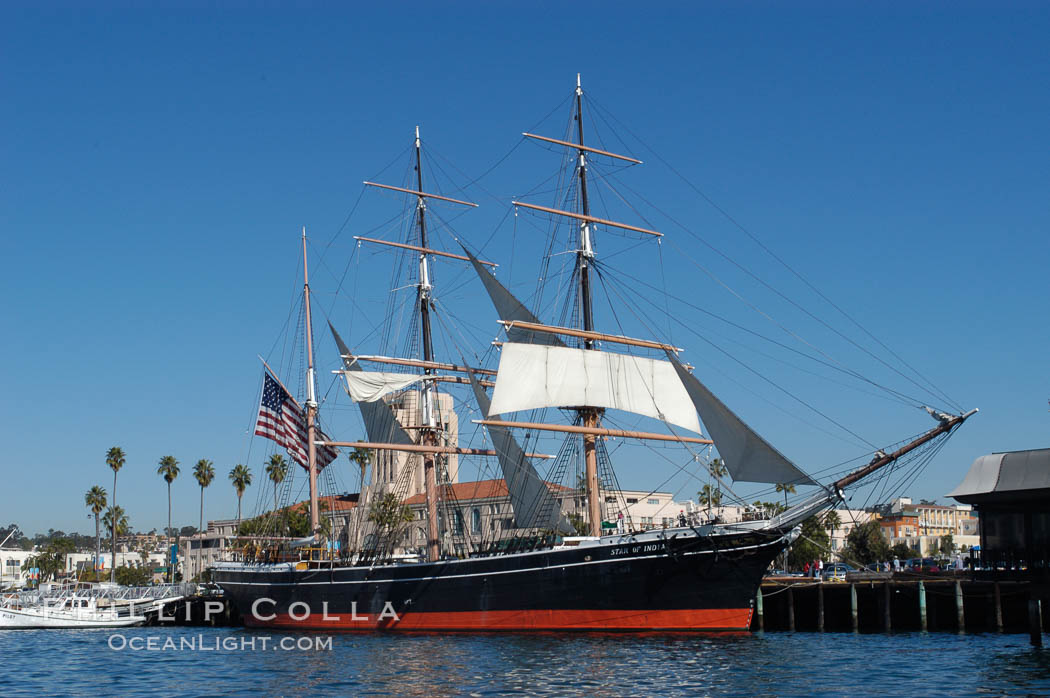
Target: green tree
<point x="241" y="477"/>
<point x="51" y="561"/>
<point x="947" y="545"/>
<point x="786" y="489"/>
<point x="831" y="521"/>
<point x="121" y="524"/>
<point x="578" y="524"/>
<point x="204" y="473"/>
<point x="865" y="543"/>
<point x="388" y="512"/>
<point x="362" y="457"/>
<point x="902" y="551"/>
<point x="711" y="497"/>
<point x="169" y="470"/>
<point x="133" y="576"/>
<point x="289" y="521"/>
<point x="276" y="470"/>
<point x="95" y="499"/>
<point x="770" y="508"/>
<point x="811" y="545"/>
<point x="115" y="460"/>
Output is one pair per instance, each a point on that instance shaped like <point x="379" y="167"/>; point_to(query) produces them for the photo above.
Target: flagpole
<point x="311" y="401"/>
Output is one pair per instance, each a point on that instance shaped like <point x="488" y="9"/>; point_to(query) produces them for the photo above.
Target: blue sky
<point x="159" y="163"/>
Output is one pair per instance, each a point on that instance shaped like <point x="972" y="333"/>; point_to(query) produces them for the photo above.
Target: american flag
<point x="281" y="419"/>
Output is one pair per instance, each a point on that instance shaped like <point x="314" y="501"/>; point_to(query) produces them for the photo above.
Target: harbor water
<point x="236" y="661"/>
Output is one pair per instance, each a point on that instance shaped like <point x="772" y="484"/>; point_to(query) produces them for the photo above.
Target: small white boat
<point x="88" y="605"/>
<point x="72" y="611"/>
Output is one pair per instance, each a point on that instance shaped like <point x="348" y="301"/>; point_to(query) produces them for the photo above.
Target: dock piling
<point x="820" y="608"/>
<point x="922" y="606"/>
<point x="853" y="606"/>
<point x="998" y="609"/>
<point x="887" y="607"/>
<point x="960" y="614"/>
<point x="791" y="608"/>
<point x="1035" y="623"/>
<point x="758" y="610"/>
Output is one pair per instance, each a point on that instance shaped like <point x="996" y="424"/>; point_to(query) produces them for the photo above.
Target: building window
<point x="632" y="500"/>
<point x="458" y="522"/>
<point x="610" y="500"/>
<point x="475" y="520"/>
<point x="654" y="501"/>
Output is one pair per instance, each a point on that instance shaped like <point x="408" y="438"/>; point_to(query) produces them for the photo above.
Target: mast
<point x="583" y="259"/>
<point x="429" y="434"/>
<point x="947" y="423"/>
<point x="311" y="401"/>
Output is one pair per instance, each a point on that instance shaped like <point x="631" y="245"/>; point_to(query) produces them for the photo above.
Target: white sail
<point x="746" y="455"/>
<point x="533" y="504"/>
<point x="370" y="386"/>
<point x="531" y="376"/>
<point x="510" y="308"/>
<point x="380" y="423"/>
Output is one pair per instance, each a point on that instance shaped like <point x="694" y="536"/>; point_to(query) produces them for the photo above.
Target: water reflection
<point x="782" y="664"/>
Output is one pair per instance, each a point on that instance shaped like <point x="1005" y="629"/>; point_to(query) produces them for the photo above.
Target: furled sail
<point x="369" y="386"/>
<point x="511" y="309"/>
<point x="380" y="423"/>
<point x="746" y="455"/>
<point x="532" y="376"/>
<point x="534" y="505"/>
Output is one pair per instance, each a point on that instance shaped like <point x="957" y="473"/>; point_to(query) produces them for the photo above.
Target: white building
<point x="401" y="472"/>
<point x="201" y="550"/>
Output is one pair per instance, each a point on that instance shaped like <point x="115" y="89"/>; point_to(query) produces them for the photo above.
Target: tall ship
<point x="571" y="559"/>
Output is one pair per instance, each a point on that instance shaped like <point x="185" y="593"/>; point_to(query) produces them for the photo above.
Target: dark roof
<point x="1003" y="476"/>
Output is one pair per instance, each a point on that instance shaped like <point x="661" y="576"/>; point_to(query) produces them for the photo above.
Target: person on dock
<point x="805" y="570"/>
<point x="896" y="564"/>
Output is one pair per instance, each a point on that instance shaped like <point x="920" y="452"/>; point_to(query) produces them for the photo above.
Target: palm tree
<point x="204" y="471"/>
<point x="276" y="470"/>
<point x="241" y="477"/>
<point x="169" y="470"/>
<point x="711" y="496"/>
<point x="115" y="460"/>
<point x="786" y="489"/>
<point x="718" y="471"/>
<point x="95" y="499"/>
<point x="362" y="457"/>
<point x="117" y="521"/>
<point x="832" y="521"/>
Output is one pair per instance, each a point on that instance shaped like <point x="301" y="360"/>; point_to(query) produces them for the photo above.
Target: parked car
<point x="836" y="571"/>
<point x="922" y="564"/>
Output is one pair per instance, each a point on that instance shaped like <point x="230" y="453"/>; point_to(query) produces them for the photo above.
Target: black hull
<point x="679" y="581"/>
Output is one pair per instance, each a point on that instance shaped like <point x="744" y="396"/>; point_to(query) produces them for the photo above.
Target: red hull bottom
<point x="591" y="620"/>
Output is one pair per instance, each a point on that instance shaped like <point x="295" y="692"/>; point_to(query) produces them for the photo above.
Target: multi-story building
<point x="936" y="519"/>
<point x="401" y="472"/>
<point x="898" y="526"/>
<point x="928" y="523"/>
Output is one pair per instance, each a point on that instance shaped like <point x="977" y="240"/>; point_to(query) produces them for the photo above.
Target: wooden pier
<point x="885" y="603"/>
